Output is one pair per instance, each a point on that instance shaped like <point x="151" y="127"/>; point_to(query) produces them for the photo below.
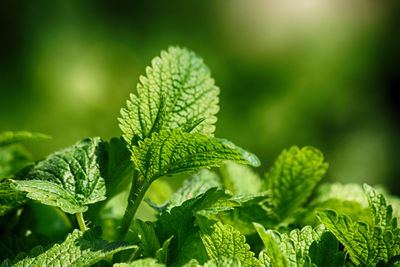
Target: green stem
<point x="138" y="190"/>
<point x="81" y="221"/>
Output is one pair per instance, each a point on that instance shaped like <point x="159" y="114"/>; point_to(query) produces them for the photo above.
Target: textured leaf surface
<point x="348" y="192"/>
<point x="179" y="222"/>
<point x="224" y="241"/>
<point x="148" y="262"/>
<point x="240" y="179"/>
<point x="176" y="91"/>
<point x="77" y="250"/>
<point x="220" y="262"/>
<point x="7" y="138"/>
<point x="10" y="198"/>
<point x="69" y="179"/>
<point x="294" y="247"/>
<point x="198" y="184"/>
<point x="293" y="177"/>
<point x="365" y="244"/>
<point x="171" y="152"/>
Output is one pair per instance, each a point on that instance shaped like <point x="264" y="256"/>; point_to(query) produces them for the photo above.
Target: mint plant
<point x="77" y="207"/>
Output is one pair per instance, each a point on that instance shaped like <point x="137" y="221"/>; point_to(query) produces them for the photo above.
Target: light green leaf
<point x="366" y="244"/>
<point x="198" y="184"/>
<point x="8" y="138"/>
<point x="293" y="247"/>
<point x="69" y="179"/>
<point x="348" y="192"/>
<point x="220" y="262"/>
<point x="79" y="249"/>
<point x="271" y="256"/>
<point x="176" y="91"/>
<point x="240" y="179"/>
<point x="10" y="198"/>
<point x="381" y="212"/>
<point x="224" y="241"/>
<point x="293" y="177"/>
<point x="250" y="157"/>
<point x="171" y="152"/>
<point x="148" y="262"/>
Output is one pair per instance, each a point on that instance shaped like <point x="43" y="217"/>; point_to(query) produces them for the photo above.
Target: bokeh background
<point x="310" y="72"/>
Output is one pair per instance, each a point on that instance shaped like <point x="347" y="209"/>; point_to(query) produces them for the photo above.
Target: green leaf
<point x="198" y="184"/>
<point x="162" y="253"/>
<point x="171" y="152"/>
<point x="148" y="262"/>
<point x="381" y="212"/>
<point x="353" y="209"/>
<point x="149" y="243"/>
<point x="250" y="157"/>
<point x="176" y="91"/>
<point x="79" y="249"/>
<point x="293" y="177"/>
<point x="293" y="247"/>
<point x="8" y="138"/>
<point x="345" y="192"/>
<point x="179" y="222"/>
<point x="224" y="241"/>
<point x="10" y="198"/>
<point x="271" y="255"/>
<point x="220" y="262"/>
<point x="366" y="244"/>
<point x="325" y="251"/>
<point x="69" y="179"/>
<point x="240" y="179"/>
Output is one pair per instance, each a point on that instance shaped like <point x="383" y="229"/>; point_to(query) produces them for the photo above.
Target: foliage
<point x="227" y="216"/>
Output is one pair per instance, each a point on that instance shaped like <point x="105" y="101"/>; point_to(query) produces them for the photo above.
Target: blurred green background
<point x="311" y="72"/>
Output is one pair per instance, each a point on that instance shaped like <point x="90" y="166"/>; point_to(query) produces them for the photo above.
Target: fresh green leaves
<point x="224" y="241"/>
<point x="69" y="179"/>
<point x="293" y="177"/>
<point x="176" y="91"/>
<point x="171" y="152"/>
<point x="367" y="244"/>
<point x="77" y="250"/>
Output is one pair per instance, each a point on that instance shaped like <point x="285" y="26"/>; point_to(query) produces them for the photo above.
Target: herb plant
<point x="224" y="216"/>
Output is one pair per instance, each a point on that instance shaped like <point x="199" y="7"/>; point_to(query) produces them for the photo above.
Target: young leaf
<point x="293" y="177"/>
<point x="69" y="179"/>
<point x="240" y="179"/>
<point x="162" y="253"/>
<point x="178" y="222"/>
<point x="148" y="262"/>
<point x="224" y="241"/>
<point x="171" y="152"/>
<point x="79" y="249"/>
<point x="381" y="212"/>
<point x="198" y="184"/>
<point x="149" y="243"/>
<point x="8" y="138"/>
<point x="293" y="247"/>
<point x="366" y="244"/>
<point x="176" y="91"/>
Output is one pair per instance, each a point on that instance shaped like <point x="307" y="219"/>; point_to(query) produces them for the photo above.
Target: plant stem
<point x="138" y="190"/>
<point x="81" y="221"/>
